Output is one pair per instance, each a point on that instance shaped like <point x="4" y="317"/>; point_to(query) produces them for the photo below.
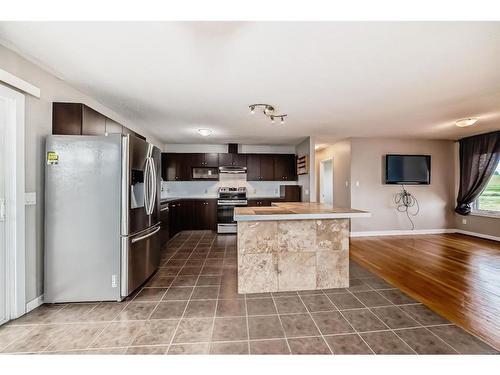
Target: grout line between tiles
<point x="317" y="327"/>
<point x="282" y="327"/>
<point x="224" y="262"/>
<point x="404" y="342"/>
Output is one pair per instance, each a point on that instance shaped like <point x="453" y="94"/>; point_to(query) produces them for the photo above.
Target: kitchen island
<point x="293" y="246"/>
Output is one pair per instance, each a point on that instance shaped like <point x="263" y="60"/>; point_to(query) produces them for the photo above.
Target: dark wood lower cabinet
<point x="205" y="214"/>
<point x="262" y="202"/>
<point x="189" y="214"/>
<point x="165" y="225"/>
<point x="201" y="214"/>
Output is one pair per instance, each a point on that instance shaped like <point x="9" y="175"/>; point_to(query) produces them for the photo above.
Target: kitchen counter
<point x="296" y="211"/>
<point x="293" y="246"/>
<point x="171" y="199"/>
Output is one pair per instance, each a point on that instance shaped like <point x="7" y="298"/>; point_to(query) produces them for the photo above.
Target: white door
<point x="4" y="313"/>
<point x="326" y="181"/>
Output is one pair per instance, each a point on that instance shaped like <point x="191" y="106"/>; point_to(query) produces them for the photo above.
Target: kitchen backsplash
<point x="209" y="189"/>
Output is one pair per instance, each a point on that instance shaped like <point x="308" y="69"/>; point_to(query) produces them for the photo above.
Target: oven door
<point x="225" y="214"/>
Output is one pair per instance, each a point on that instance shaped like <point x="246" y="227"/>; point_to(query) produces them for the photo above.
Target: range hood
<point x="232" y="169"/>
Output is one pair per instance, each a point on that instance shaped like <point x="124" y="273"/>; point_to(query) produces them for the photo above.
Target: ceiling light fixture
<point x="204" y="132"/>
<point x="268" y="111"/>
<point x="464" y="122"/>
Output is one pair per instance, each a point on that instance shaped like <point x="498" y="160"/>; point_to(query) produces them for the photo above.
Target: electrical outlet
<point x="346" y="183"/>
<point x="357" y="183"/>
<point x="464" y="221"/>
<point x="114" y="281"/>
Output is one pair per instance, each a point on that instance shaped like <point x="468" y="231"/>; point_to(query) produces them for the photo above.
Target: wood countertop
<point x="296" y="211"/>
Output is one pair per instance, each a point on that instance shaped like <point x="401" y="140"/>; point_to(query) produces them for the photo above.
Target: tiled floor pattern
<point x="191" y="306"/>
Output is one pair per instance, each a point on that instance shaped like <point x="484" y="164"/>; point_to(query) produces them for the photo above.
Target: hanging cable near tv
<point x="407" y="203"/>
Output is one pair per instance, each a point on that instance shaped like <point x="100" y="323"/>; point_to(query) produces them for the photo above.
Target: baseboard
<point x="475" y="234"/>
<point x="33" y="304"/>
<point x="376" y="233"/>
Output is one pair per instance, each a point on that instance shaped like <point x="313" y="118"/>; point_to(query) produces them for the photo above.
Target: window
<point x="488" y="202"/>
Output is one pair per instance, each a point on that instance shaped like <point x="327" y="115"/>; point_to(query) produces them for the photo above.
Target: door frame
<point x="322" y="176"/>
<point x="14" y="198"/>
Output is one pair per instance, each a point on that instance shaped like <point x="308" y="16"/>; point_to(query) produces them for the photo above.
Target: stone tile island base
<point x="289" y="255"/>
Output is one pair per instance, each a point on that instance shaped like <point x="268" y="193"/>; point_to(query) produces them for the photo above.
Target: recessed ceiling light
<point x="464" y="122"/>
<point x="204" y="132"/>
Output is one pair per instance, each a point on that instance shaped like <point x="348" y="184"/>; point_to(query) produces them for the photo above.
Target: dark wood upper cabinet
<point x="238" y="160"/>
<point x="79" y="119"/>
<point x="267" y="167"/>
<point x="93" y="123"/>
<point x="253" y="167"/>
<point x="176" y="167"/>
<point x="209" y="160"/>
<point x="284" y="167"/>
<point x="271" y="167"/>
<point x="260" y="167"/>
<point x="67" y="118"/>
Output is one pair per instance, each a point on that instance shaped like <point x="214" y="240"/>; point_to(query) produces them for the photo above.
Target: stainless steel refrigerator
<point x="102" y="216"/>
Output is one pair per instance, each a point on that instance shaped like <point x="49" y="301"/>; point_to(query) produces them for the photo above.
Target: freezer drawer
<point x="140" y="258"/>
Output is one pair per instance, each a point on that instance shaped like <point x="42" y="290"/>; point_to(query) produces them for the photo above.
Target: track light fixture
<point x="268" y="111"/>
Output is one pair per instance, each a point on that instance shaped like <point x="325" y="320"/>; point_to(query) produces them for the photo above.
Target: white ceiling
<point x="334" y="79"/>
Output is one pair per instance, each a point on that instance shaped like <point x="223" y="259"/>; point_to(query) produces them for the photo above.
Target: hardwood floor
<point x="457" y="276"/>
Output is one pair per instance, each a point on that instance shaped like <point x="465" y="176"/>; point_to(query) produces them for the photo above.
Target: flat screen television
<point x="408" y="169"/>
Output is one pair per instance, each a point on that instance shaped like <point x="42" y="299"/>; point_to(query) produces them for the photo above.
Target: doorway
<point x="4" y="312"/>
<point x="326" y="181"/>
<point x="12" y="210"/>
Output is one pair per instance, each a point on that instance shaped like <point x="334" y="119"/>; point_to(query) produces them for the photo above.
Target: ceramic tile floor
<point x="191" y="306"/>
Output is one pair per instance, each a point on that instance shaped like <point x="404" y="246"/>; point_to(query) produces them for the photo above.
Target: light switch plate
<point x="464" y="221"/>
<point x="30" y="199"/>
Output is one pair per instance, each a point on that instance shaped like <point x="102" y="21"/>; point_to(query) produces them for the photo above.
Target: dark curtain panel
<point x="479" y="156"/>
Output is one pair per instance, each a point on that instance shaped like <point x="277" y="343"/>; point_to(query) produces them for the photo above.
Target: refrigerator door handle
<point x="153" y="184"/>
<point x="151" y="187"/>
<point x="137" y="239"/>
<point x="146" y="187"/>
<point x="148" y="182"/>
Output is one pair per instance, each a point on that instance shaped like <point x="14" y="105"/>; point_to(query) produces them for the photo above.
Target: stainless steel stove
<point x="229" y="198"/>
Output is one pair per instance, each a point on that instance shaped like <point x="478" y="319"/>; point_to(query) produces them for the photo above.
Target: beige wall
<point x="436" y="199"/>
<point x="39" y="124"/>
<point x="479" y="224"/>
<point x="340" y="152"/>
